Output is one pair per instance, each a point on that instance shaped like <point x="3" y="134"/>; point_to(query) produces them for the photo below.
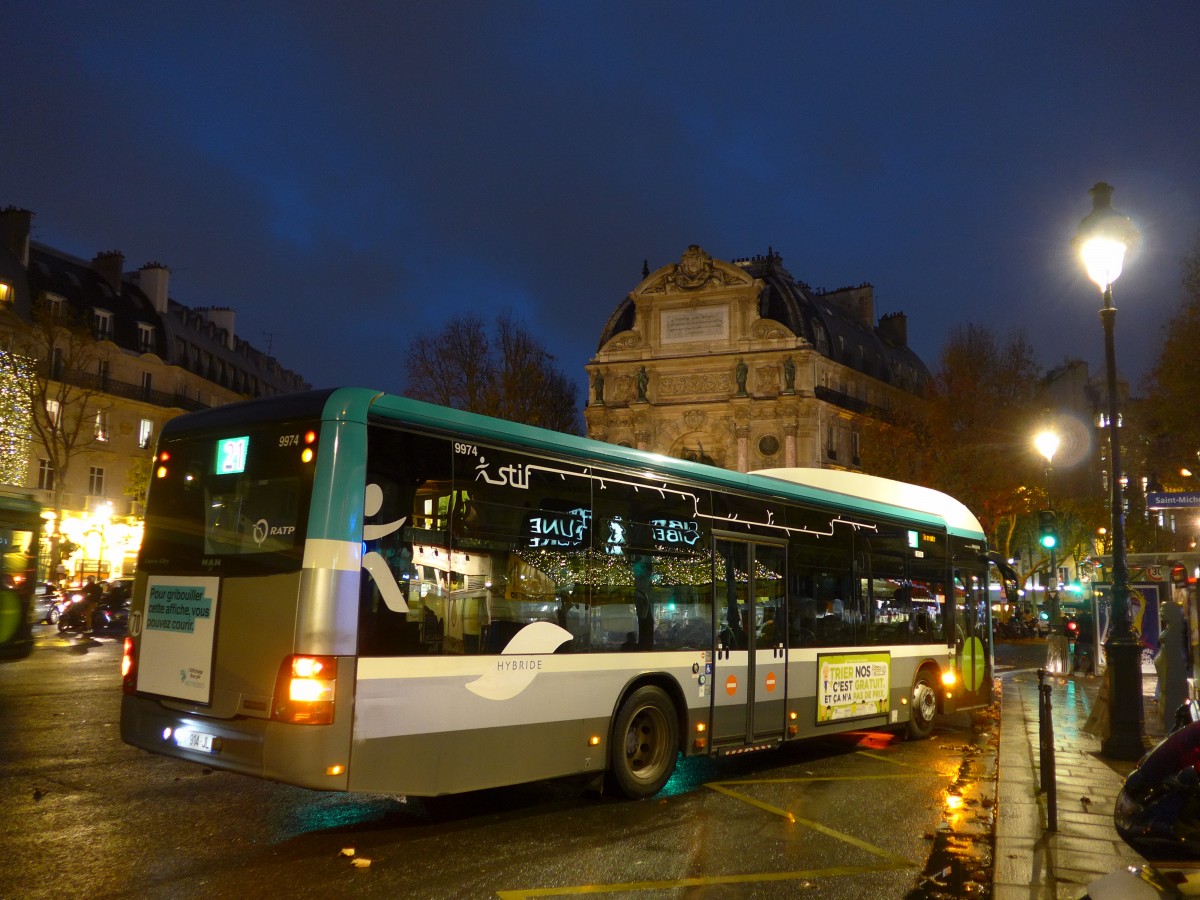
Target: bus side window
<point x="406" y="575"/>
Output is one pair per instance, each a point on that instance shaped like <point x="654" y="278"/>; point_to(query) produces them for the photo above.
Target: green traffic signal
<point x="1048" y="529"/>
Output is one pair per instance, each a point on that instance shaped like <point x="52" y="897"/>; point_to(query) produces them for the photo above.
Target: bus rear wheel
<point x="645" y="743"/>
<point x="923" y="707"/>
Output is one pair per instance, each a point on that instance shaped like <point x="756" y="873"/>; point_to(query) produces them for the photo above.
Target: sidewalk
<point x="1030" y="862"/>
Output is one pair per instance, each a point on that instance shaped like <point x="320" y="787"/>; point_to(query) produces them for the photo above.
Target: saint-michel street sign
<point x="1172" y="500"/>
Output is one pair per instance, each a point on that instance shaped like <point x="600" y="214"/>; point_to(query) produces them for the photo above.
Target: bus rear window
<point x="257" y="516"/>
<point x="235" y="502"/>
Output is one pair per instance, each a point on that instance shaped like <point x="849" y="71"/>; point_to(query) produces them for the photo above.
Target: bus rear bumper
<point x="311" y="756"/>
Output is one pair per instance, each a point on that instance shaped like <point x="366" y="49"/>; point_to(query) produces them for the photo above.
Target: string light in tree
<point x="16" y="377"/>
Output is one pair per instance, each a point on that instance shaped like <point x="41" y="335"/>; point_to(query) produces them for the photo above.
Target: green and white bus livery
<point x="347" y="590"/>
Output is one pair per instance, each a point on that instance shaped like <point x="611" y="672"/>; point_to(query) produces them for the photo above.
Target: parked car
<point x="48" y="603"/>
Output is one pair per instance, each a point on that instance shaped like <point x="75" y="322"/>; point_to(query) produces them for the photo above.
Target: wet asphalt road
<point x="864" y="815"/>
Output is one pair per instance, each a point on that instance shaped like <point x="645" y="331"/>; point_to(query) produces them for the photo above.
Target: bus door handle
<point x="779" y="652"/>
<point x="722" y="651"/>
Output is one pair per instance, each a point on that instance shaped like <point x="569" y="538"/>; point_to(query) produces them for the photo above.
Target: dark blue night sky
<point x="347" y="175"/>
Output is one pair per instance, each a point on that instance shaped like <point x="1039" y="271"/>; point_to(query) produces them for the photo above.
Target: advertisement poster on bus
<point x="177" y="631"/>
<point x="852" y="686"/>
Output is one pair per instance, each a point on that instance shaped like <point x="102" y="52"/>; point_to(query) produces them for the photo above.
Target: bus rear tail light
<point x="128" y="668"/>
<point x="310" y="439"/>
<point x="304" y="690"/>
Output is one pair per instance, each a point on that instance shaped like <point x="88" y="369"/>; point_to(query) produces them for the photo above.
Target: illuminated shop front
<point x="100" y="543"/>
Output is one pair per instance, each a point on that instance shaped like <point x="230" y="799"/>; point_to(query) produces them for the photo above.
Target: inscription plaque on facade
<point x="702" y="323"/>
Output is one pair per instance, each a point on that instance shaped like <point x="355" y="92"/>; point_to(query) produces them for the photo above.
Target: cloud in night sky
<point x="347" y="176"/>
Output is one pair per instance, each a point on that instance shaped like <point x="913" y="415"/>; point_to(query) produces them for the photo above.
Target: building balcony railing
<point x="123" y="389"/>
<point x="853" y="404"/>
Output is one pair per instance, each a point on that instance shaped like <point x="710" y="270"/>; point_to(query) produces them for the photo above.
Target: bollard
<point x="1046" y="742"/>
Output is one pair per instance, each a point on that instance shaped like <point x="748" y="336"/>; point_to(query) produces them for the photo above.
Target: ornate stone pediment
<point x="695" y="271"/>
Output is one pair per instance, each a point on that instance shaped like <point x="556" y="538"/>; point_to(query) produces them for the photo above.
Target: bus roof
<point x="830" y="488"/>
<point x="958" y="518"/>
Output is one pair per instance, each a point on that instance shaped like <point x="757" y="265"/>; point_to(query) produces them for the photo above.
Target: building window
<point x="54" y="303"/>
<point x="102" y="424"/>
<point x="95" y="481"/>
<point x="102" y="373"/>
<point x="147" y="385"/>
<point x="103" y="320"/>
<point x="855" y="458"/>
<point x="45" y="475"/>
<point x="831" y="447"/>
<point x="145" y="433"/>
<point x="145" y="337"/>
<point x="6" y="293"/>
<point x="53" y="412"/>
<point x="56" y="363"/>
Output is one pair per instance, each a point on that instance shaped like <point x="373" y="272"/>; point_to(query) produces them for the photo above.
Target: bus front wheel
<point x="923" y="707"/>
<point x="645" y="743"/>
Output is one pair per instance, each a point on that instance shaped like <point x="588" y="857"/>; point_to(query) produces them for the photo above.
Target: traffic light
<point x="1048" y="529"/>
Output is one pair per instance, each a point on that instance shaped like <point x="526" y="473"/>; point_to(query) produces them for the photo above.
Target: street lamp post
<point x="1104" y="236"/>
<point x="1047" y="445"/>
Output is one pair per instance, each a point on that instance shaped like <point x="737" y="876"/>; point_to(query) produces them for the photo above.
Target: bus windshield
<point x="235" y="502"/>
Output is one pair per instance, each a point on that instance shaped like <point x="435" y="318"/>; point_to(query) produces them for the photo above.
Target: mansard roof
<point x="85" y="289"/>
<point x="833" y="322"/>
<point x="182" y="336"/>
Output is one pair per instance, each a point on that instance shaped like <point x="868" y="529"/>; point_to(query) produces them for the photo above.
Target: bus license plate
<point x="194" y="740"/>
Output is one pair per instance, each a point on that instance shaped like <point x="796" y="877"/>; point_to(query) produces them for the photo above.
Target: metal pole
<point x="1052" y="585"/>
<point x="1125" y="739"/>
<point x="1049" y="782"/>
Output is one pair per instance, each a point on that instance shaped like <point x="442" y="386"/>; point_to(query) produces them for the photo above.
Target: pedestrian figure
<point x="1171" y="663"/>
<point x="1084" y="643"/>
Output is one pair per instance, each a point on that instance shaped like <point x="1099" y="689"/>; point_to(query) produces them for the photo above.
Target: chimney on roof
<point x="110" y="265"/>
<point x="893" y="327"/>
<point x="856" y="302"/>
<point x="221" y="317"/>
<point x="14" y="232"/>
<point x="152" y="279"/>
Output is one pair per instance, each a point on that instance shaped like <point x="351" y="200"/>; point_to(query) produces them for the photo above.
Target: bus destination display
<point x="231" y="455"/>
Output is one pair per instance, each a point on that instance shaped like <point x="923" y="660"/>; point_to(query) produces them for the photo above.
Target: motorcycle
<point x="108" y="615"/>
<point x="1158" y="813"/>
<point x="1158" y="808"/>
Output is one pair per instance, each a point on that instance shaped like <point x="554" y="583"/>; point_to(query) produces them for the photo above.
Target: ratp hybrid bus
<point x="347" y="590"/>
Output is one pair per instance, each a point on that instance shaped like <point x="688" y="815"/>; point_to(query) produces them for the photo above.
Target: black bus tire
<point x="645" y="743"/>
<point x="922" y="706"/>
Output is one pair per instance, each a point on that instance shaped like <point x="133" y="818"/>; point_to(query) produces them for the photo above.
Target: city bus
<point x="347" y="590"/>
<point x="20" y="528"/>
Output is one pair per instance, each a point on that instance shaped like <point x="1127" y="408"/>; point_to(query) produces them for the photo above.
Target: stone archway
<point x="699" y="446"/>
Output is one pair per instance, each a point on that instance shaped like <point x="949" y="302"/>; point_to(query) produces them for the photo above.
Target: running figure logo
<point x="373" y="562"/>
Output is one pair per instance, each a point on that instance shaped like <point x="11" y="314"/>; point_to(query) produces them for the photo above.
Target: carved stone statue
<point x="740" y="373"/>
<point x="643" y="381"/>
<point x="598" y="387"/>
<point x="789" y="376"/>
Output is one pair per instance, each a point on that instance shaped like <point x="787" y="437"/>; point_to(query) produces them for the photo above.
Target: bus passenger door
<point x="973" y="637"/>
<point x="750" y="671"/>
